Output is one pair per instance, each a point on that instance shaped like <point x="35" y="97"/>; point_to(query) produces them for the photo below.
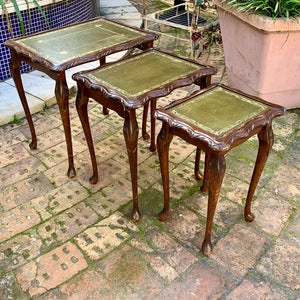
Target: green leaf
<point x="42" y="12"/>
<point x="271" y="8"/>
<point x="2" y="3"/>
<point x="198" y="3"/>
<point x="19" y="16"/>
<point x="29" y="14"/>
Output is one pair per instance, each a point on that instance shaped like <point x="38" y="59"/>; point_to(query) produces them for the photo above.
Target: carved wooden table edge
<point x="215" y="148"/>
<point x="126" y="108"/>
<point x="96" y="55"/>
<point x="57" y="72"/>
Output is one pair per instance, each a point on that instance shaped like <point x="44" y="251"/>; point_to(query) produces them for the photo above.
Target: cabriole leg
<point x="153" y="107"/>
<point x="81" y="106"/>
<point x="62" y="98"/>
<point x="266" y="140"/>
<point x="163" y="142"/>
<point x="144" y="124"/>
<point x="197" y="172"/>
<point x="131" y="131"/>
<point x="15" y="65"/>
<point x="216" y="171"/>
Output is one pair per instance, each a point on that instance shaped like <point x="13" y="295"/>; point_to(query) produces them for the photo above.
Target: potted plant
<point x="261" y="42"/>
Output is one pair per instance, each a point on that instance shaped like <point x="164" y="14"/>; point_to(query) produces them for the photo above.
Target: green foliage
<point x="46" y="108"/>
<point x="16" y="120"/>
<point x="270" y="8"/>
<point x="16" y="6"/>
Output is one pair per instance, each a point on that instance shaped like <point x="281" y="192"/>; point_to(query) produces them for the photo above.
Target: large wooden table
<point x="131" y="83"/>
<point x="55" y="51"/>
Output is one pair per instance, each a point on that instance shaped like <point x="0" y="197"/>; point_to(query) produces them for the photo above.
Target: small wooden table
<point x="55" y="51"/>
<point x="216" y="120"/>
<point x="131" y="83"/>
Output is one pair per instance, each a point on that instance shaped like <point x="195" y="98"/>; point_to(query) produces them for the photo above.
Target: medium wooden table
<point x="131" y="83"/>
<point x="216" y="120"/>
<point x="55" y="51"/>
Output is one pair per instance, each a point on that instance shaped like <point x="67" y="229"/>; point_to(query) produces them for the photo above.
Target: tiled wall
<point x="58" y="15"/>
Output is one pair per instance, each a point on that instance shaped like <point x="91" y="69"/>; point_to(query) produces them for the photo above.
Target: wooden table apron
<point x="57" y="72"/>
<point x="111" y="99"/>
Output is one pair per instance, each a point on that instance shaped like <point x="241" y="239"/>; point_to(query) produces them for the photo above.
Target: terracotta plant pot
<point x="262" y="56"/>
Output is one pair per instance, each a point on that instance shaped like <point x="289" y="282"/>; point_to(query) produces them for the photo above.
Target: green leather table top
<point x="142" y="73"/>
<point x="218" y="111"/>
<point x="71" y="42"/>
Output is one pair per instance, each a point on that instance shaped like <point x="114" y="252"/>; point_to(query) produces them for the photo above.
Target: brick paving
<point x="64" y="238"/>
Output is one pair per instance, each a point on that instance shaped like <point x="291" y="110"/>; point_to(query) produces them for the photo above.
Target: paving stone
<point x="243" y="170"/>
<point x="106" y="235"/>
<point x="20" y="170"/>
<point x="11" y="105"/>
<point x="180" y="150"/>
<point x="58" y="153"/>
<point x="186" y="226"/>
<point x="10" y="135"/>
<point x="88" y="284"/>
<point x="57" y="175"/>
<point x="143" y="154"/>
<point x="47" y="140"/>
<point x="199" y="282"/>
<point x="286" y="182"/>
<point x="168" y="258"/>
<point x="41" y="87"/>
<point x="59" y="199"/>
<point x="111" y="197"/>
<point x="76" y="127"/>
<point x="285" y="125"/>
<point x="262" y="290"/>
<point x="234" y="189"/>
<point x="17" y="220"/>
<point x="19" y="250"/>
<point x="123" y="10"/>
<point x="51" y="269"/>
<point x="239" y="250"/>
<point x="108" y="172"/>
<point x="110" y="147"/>
<point x="178" y="187"/>
<point x="114" y="119"/>
<point x="271" y="211"/>
<point x="227" y="213"/>
<point x="129" y="276"/>
<point x="181" y="180"/>
<point x="66" y="225"/>
<point x="148" y="172"/>
<point x="157" y="263"/>
<point x="12" y="154"/>
<point x="282" y="262"/>
<point x="10" y="289"/>
<point x="96" y="111"/>
<point x="22" y="191"/>
<point x="100" y="130"/>
<point x="42" y="123"/>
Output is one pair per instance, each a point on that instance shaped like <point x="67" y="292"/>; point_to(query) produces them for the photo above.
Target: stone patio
<point x="64" y="238"/>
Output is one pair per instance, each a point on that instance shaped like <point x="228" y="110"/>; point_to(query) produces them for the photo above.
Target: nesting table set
<point x="215" y="119"/>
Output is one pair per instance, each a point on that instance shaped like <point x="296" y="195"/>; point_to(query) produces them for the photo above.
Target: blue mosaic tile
<point x="58" y="15"/>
